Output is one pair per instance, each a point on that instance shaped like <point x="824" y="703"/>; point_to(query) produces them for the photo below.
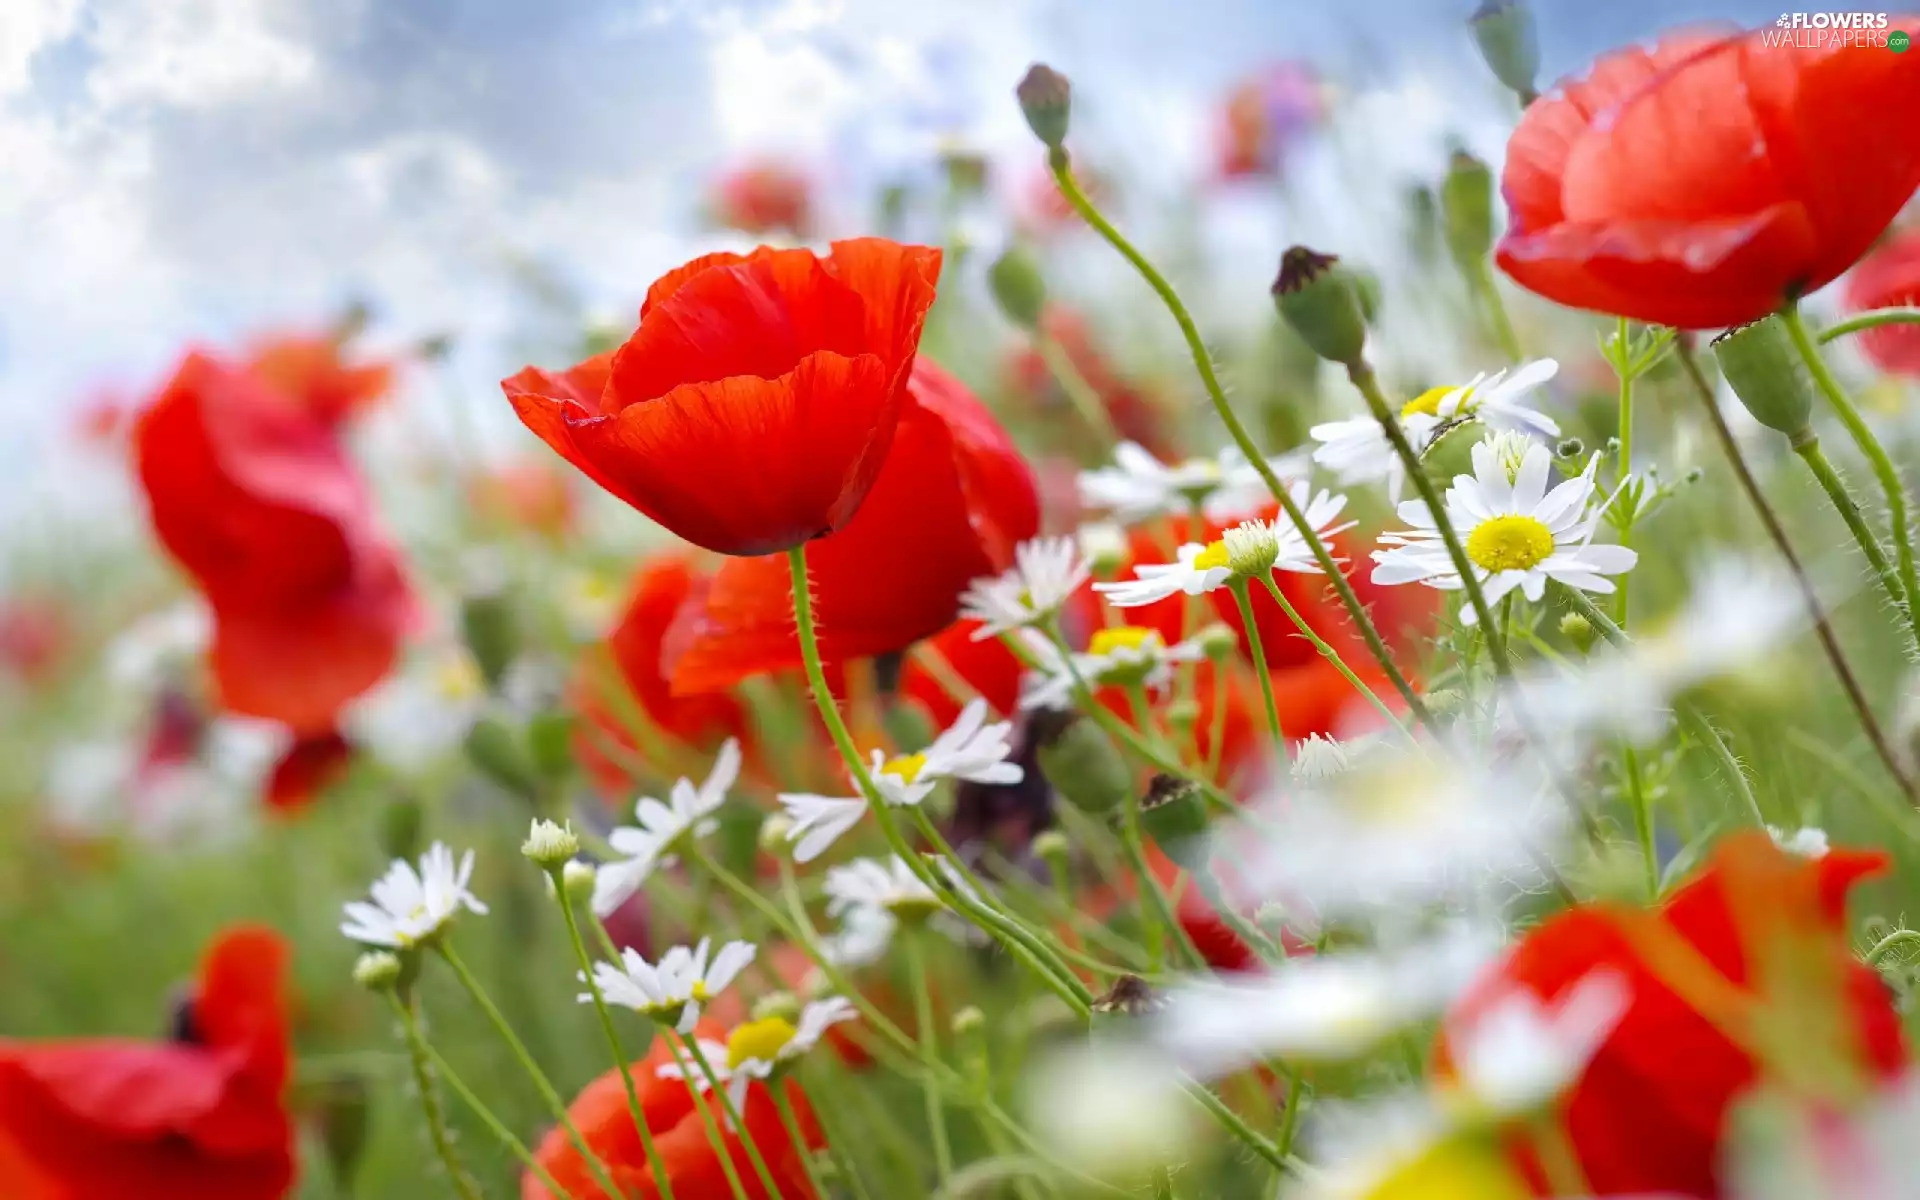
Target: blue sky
<point x="194" y="169"/>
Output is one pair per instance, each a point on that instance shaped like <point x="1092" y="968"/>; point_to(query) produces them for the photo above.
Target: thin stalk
<point x="1496" y="310"/>
<point x="799" y="1139"/>
<point x="1642" y="819"/>
<point x="1290" y="1120"/>
<point x="928" y="1037"/>
<point x="1203" y="363"/>
<point x="1626" y="464"/>
<point x="1816" y="612"/>
<point x="735" y="1117"/>
<point x="1086" y="402"/>
<point x="1331" y="655"/>
<point x="496" y="1126"/>
<point x="541" y="1083"/>
<point x="848" y="1169"/>
<point x="420" y="1057"/>
<point x="1828" y="476"/>
<point x="715" y="1137"/>
<point x="1870" y="320"/>
<point x="1238" y="586"/>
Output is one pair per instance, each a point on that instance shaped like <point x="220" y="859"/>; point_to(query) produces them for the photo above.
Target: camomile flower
<point x="1808" y="841"/>
<point x="1513" y="1056"/>
<point x="764" y="1049"/>
<point x="1118" y="654"/>
<point x="142" y="655"/>
<point x="1328" y="1008"/>
<point x="1317" y="758"/>
<point x="871" y="898"/>
<point x="673" y="990"/>
<point x="1402" y="1147"/>
<point x="1139" y="487"/>
<point x="1356" y="450"/>
<point x="411" y="907"/>
<point x="970" y="749"/>
<point x="662" y="829"/>
<point x="1247" y="550"/>
<point x="1516" y="532"/>
<point x="1045" y="572"/>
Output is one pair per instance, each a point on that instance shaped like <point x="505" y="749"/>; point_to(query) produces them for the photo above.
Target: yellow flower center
<point x="763" y="1040"/>
<point x="1510" y="543"/>
<point x="1427" y="402"/>
<point x="906" y="768"/>
<point x="1215" y="555"/>
<point x="457" y="677"/>
<point x="700" y="994"/>
<point x="1123" y="637"/>
<point x="1454" y="1167"/>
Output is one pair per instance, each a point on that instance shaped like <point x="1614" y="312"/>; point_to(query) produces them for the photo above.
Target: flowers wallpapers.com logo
<point x="1809" y="31"/>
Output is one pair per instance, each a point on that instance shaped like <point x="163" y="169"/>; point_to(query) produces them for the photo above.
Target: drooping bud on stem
<point x="496" y="751"/>
<point x="1046" y="100"/>
<point x="1085" y="767"/>
<point x="1765" y="370"/>
<point x="1466" y="205"/>
<point x="1018" y="287"/>
<point x="1319" y="301"/>
<point x="1173" y="815"/>
<point x="1510" y="44"/>
<point x="491" y="629"/>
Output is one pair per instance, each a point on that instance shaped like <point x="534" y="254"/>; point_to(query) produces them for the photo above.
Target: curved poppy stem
<point x="1332" y="656"/>
<point x="1238" y="586"/>
<point x="1503" y="332"/>
<point x="1777" y="533"/>
<point x="420" y="1057"/>
<point x="1070" y="189"/>
<point x="541" y="1083"/>
<point x="715" y="1138"/>
<point x="1883" y="469"/>
<point x="1835" y="486"/>
<point x="1870" y="320"/>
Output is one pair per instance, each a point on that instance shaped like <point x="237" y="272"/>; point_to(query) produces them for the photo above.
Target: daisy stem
<point x="1559" y="1161"/>
<point x="736" y="1117"/>
<point x="1870" y="320"/>
<point x="1333" y="656"/>
<point x="1217" y="727"/>
<point x="928" y="1037"/>
<point x="1369" y="385"/>
<point x="847" y="1167"/>
<point x="620" y="1057"/>
<point x="420" y="1057"/>
<point x="1483" y="282"/>
<point x="798" y="1137"/>
<point x="1233" y="1123"/>
<point x="1642" y="818"/>
<point x="1203" y="362"/>
<point x="1238" y="586"/>
<point x="715" y="1137"/>
<point x="1290" y="1119"/>
<point x="1625" y="370"/>
<point x="1823" y="628"/>
<point x="498" y="1127"/>
<point x="1086" y="402"/>
<point x="1889" y="476"/>
<point x="540" y="1081"/>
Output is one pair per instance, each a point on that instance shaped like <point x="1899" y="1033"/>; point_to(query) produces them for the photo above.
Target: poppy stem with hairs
<point x="1361" y="373"/>
<point x="620" y="1056"/>
<point x="1333" y="656"/>
<point x="1625" y="369"/>
<point x="928" y="1036"/>
<point x="1835" y="486"/>
<point x="1238" y="587"/>
<point x="1883" y="469"/>
<point x="497" y="1127"/>
<point x="1070" y="189"/>
<point x="1870" y="320"/>
<point x="715" y="1138"/>
<point x="519" y="1049"/>
<point x="420" y="1059"/>
<point x="1816" y="612"/>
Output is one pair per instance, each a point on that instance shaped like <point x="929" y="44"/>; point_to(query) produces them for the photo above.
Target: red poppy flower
<point x="765" y="197"/>
<point x="202" y="1117"/>
<point x="952" y="501"/>
<point x="308" y="767"/>
<point x="312" y="372"/>
<point x="987" y="666"/>
<point x="1648" y="1115"/>
<point x="34" y="636"/>
<point x="753" y="407"/>
<point x="1708" y="181"/>
<point x="659" y="588"/>
<point x="1888" y="278"/>
<point x="259" y="503"/>
<point x="526" y="495"/>
<point x="601" y="1114"/>
<point x="1134" y="411"/>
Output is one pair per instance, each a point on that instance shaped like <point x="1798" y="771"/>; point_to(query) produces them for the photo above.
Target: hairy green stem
<point x="1870" y="320"/>
<point x="1238" y="586"/>
<point x="420" y="1058"/>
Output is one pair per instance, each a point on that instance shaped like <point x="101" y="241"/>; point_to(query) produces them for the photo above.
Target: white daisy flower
<point x="662" y="829"/>
<point x="1328" y="1008"/>
<point x="1119" y="654"/>
<point x="421" y="711"/>
<point x="764" y="1049"/>
<point x="1808" y="841"/>
<point x="970" y="749"/>
<point x="1046" y="571"/>
<point x="1356" y="450"/>
<point x="862" y="938"/>
<point x="1317" y="759"/>
<point x="1249" y="549"/>
<point x="147" y="651"/>
<point x="1110" y="1108"/>
<point x="1196" y="570"/>
<point x="1516" y="532"/>
<point x="1139" y="487"/>
<point x="870" y="898"/>
<point x="674" y="989"/>
<point x="410" y="907"/>
<point x="1517" y="1054"/>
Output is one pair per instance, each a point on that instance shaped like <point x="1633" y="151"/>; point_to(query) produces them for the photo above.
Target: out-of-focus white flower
<point x="674" y="989"/>
<point x="1247" y="550"/>
<point x="1316" y="758"/>
<point x="1113" y="1110"/>
<point x="1328" y="1008"/>
<point x="1119" y="654"/>
<point x="1103" y="545"/>
<point x="1807" y="841"/>
<point x="1516" y="1054"/>
<point x="589" y="602"/>
<point x="1139" y="487"/>
<point x="1516" y="533"/>
<point x="871" y="897"/>
<point x="764" y="1049"/>
<point x="662" y="829"/>
<point x="143" y="654"/>
<point x="1403" y="1146"/>
<point x="1045" y="572"/>
<point x="421" y="711"/>
<point x="1781" y="1148"/>
<point x="410" y="906"/>
<point x="113" y="786"/>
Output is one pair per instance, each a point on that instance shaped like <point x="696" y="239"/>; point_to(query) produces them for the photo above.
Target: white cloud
<point x="26" y="28"/>
<point x="196" y="53"/>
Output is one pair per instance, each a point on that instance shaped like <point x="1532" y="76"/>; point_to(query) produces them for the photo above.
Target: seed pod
<point x="1173" y="815"/>
<point x="1466" y="203"/>
<point x="1320" y="302"/>
<point x="496" y="752"/>
<point x="1085" y="767"/>
<point x="1510" y="44"/>
<point x="1766" y="372"/>
<point x="1018" y="287"/>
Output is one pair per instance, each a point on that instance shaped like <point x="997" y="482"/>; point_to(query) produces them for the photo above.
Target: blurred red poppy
<point x="1648" y="1115"/>
<point x="202" y="1117"/>
<point x="753" y="407"/>
<point x="659" y="588"/>
<point x="313" y="372"/>
<point x="1264" y="116"/>
<point x="986" y="666"/>
<point x="307" y="768"/>
<point x="764" y="197"/>
<point x="259" y="503"/>
<point x="525" y="495"/>
<point x="693" y="1167"/>
<point x="1711" y="179"/>
<point x="952" y="501"/>
<point x="1889" y="278"/>
<point x="34" y="636"/>
<point x="1135" y="412"/>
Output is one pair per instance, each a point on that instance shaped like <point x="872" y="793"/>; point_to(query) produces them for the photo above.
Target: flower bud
<point x="1046" y="101"/>
<point x="1446" y="702"/>
<point x="1578" y="631"/>
<point x="1508" y="41"/>
<point x="491" y="629"/>
<point x="1252" y="548"/>
<point x="1317" y="759"/>
<point x="1318" y="300"/>
<point x="550" y="744"/>
<point x="782" y="1006"/>
<point x="1172" y="814"/>
<point x="968" y="1021"/>
<point x="1218" y="641"/>
<point x="1052" y="848"/>
<point x="496" y="752"/>
<point x="549" y="846"/>
<point x="377" y="970"/>
<point x="1466" y="205"/>
<point x="1085" y="767"/>
<point x="1183" y="714"/>
<point x="773" y="834"/>
<point x="340" y="1112"/>
<point x="1766" y="372"/>
<point x="1104" y="545"/>
<point x="1018" y="287"/>
<point x="576" y="880"/>
<point x="1450" y="452"/>
<point x="400" y="823"/>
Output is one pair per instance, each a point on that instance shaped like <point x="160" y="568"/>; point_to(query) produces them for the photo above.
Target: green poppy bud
<point x="1450" y="453"/>
<point x="491" y="629"/>
<point x="1508" y="41"/>
<point x="1766" y="372"/>
<point x="1173" y="815"/>
<point x="550" y="744"/>
<point x="496" y="752"/>
<point x="1085" y="767"/>
<point x="1466" y="204"/>
<point x="1046" y="101"/>
<point x="1018" y="287"/>
<point x="1320" y="302"/>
